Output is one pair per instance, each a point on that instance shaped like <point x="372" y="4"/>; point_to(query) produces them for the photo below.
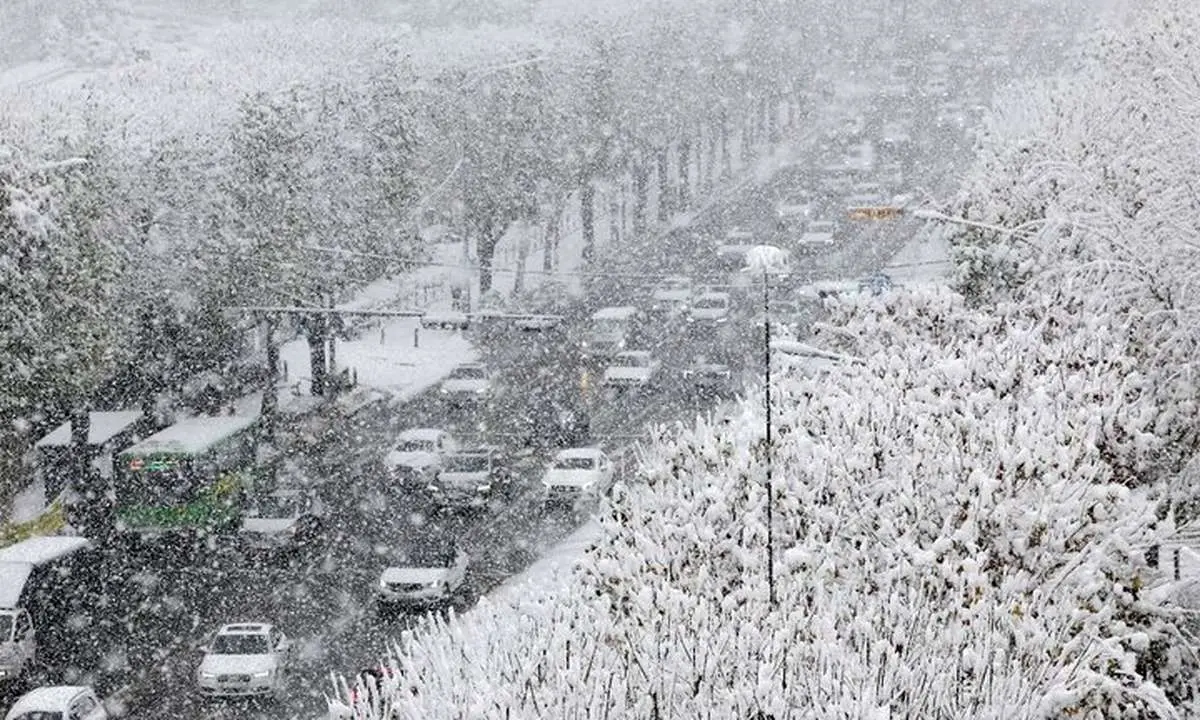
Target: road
<point x="146" y="638"/>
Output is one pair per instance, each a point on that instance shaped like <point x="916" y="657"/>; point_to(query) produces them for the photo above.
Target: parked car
<point x="577" y="473"/>
<point x="632" y="368"/>
<point x="58" y="702"/>
<point x="428" y="577"/>
<point x="467" y="383"/>
<point x="286" y="519"/>
<point x="706" y="377"/>
<point x="244" y="659"/>
<point x="819" y="234"/>
<point x="418" y="454"/>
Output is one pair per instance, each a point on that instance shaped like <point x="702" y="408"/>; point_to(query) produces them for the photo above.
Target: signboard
<point x="875" y="213"/>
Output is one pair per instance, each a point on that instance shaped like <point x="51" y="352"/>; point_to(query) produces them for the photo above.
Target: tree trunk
<point x="723" y="139"/>
<point x="684" y="153"/>
<point x="486" y="240"/>
<point x="316" y="354"/>
<point x="772" y="108"/>
<point x="664" y="184"/>
<point x="587" y="218"/>
<point x="641" y="187"/>
<point x="270" y="399"/>
<point x="614" y="218"/>
<point x="80" y="467"/>
<point x="747" y="139"/>
<point x="522" y="257"/>
<point x="553" y="235"/>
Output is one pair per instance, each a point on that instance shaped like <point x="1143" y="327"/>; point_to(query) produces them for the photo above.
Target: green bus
<point x="191" y="477"/>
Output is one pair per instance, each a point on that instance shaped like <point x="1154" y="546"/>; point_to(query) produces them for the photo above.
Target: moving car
<point x="671" y="295"/>
<point x="707" y="377"/>
<point x="819" y="234"/>
<point x="632" y="368"/>
<point x="418" y="454"/>
<point x="286" y="519"/>
<point x="470" y="382"/>
<point x="244" y="659"/>
<point x="576" y="473"/>
<point x="711" y="307"/>
<point x="59" y="702"/>
<point x="611" y="328"/>
<point x="429" y="577"/>
<point x="470" y="477"/>
<point x="794" y="210"/>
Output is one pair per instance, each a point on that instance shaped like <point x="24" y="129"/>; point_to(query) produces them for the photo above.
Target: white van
<point x="610" y="330"/>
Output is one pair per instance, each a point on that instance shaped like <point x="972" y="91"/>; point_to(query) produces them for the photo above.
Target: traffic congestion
<point x="426" y="505"/>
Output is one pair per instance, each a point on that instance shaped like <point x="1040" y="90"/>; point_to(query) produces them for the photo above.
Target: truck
<point x="43" y="581"/>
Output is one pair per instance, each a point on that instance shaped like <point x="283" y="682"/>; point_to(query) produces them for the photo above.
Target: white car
<point x="244" y="659"/>
<point x="467" y="383"/>
<point x="632" y="368"/>
<point x="671" y="295"/>
<point x="286" y="519"/>
<point x="471" y="476"/>
<point x="794" y="210"/>
<point x="577" y="472"/>
<point x="418" y="454"/>
<point x="18" y="643"/>
<point x="59" y="702"/>
<point x="429" y="577"/>
<point x="711" y="307"/>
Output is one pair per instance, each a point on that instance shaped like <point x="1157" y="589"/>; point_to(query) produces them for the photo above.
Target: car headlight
<point x="207" y="675"/>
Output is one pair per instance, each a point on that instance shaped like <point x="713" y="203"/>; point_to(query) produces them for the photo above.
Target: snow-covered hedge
<point x="960" y="522"/>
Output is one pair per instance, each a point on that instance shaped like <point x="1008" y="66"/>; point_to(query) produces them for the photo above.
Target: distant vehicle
<point x="467" y="383"/>
<point x="794" y="210"/>
<point x="936" y="88"/>
<point x="245" y="659"/>
<point x="671" y="295"/>
<point x="445" y="320"/>
<point x="631" y="368"/>
<point x="418" y="454"/>
<point x="286" y="519"/>
<point x="44" y="581"/>
<point x="707" y="377"/>
<point x="471" y="477"/>
<point x="783" y="313"/>
<point x="577" y="473"/>
<point x="610" y="330"/>
<point x="819" y="235"/>
<point x="429" y="577"/>
<point x="731" y="253"/>
<point x="876" y="284"/>
<point x="711" y="307"/>
<point x="191" y="477"/>
<point x="824" y="289"/>
<point x="59" y="702"/>
<point x="895" y="137"/>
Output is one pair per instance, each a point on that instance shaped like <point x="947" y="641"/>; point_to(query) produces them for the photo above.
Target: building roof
<point x="193" y="435"/>
<point x="102" y="427"/>
<point x="429" y="434"/>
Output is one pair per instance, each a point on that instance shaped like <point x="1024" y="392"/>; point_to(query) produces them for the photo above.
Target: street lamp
<point x="768" y="260"/>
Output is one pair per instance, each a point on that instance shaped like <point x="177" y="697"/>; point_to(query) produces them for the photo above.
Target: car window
<point x="39" y="715"/>
<point x="24" y="625"/>
<point x="416" y="446"/>
<point x="575" y="463"/>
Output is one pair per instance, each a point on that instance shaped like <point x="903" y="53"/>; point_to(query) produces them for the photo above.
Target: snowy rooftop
<point x="614" y="313"/>
<point x="38" y="550"/>
<point x="103" y="427"/>
<point x="193" y="435"/>
<point x="55" y="697"/>
<point x="427" y="434"/>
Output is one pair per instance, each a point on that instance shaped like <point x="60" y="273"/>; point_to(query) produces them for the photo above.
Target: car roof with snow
<point x="245" y="629"/>
<point x="429" y="434"/>
<point x="623" y="312"/>
<point x="55" y="697"/>
<point x="570" y="453"/>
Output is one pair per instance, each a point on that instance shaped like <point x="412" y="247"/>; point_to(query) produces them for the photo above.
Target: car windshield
<point x="468" y="373"/>
<point x="417" y="446"/>
<point x="466" y="463"/>
<point x="821" y="226"/>
<point x="674" y="284"/>
<point x="609" y="326"/>
<point x="575" y="463"/>
<point x="631" y="361"/>
<point x="711" y="302"/>
<point x="277" y="506"/>
<point x="239" y="644"/>
<point x="162" y="481"/>
<point x="39" y="715"/>
<point x="6" y="627"/>
<point x="431" y="555"/>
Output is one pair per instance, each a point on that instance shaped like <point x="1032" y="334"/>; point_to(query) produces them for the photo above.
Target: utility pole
<point x="270" y="399"/>
<point x="769" y="449"/>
